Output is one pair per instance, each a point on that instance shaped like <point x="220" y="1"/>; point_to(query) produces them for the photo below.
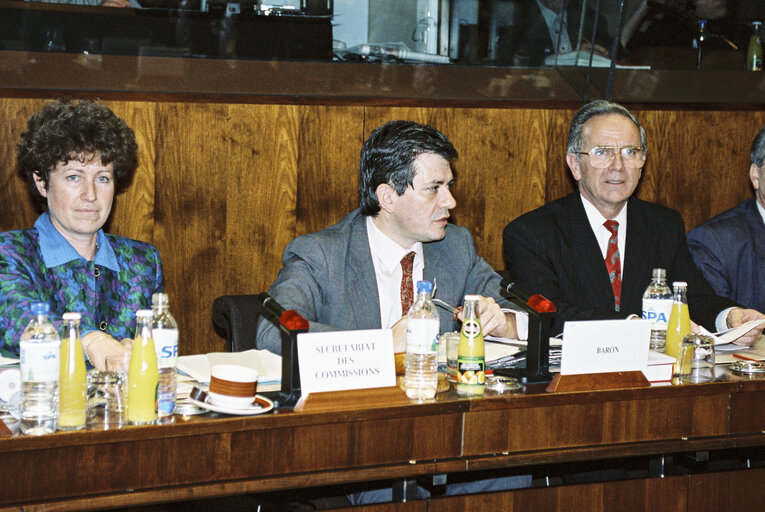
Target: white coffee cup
<point x="232" y="385"/>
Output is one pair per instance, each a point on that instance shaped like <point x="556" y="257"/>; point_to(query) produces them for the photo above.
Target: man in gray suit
<point x="349" y="276"/>
<point x="730" y="248"/>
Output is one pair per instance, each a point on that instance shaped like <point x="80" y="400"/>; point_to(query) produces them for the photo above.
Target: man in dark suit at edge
<point x="730" y="248"/>
<point x="561" y="249"/>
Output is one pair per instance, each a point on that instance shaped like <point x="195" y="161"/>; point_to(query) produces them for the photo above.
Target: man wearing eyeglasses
<point x="592" y="252"/>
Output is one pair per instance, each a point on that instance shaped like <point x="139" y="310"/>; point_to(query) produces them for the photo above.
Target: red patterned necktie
<point x="613" y="261"/>
<point x="407" y="289"/>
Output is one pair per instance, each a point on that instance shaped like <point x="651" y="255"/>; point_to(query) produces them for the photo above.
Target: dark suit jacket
<point x="730" y="251"/>
<point x="553" y="251"/>
<point x="532" y="37"/>
<point x="329" y="278"/>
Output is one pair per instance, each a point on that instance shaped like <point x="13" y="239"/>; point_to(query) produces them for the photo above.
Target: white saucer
<point x="262" y="405"/>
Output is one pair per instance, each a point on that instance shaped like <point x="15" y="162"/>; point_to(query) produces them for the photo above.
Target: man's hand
<point x="596" y="49"/>
<point x="97" y="345"/>
<point x="494" y="322"/>
<point x="399" y="335"/>
<point x="739" y="316"/>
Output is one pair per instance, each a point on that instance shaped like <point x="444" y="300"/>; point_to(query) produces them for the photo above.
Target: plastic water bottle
<point x="421" y="377"/>
<point x="39" y="349"/>
<point x="657" y="305"/>
<point x="165" y="332"/>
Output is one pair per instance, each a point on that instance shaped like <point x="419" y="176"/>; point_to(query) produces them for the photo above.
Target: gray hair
<point x="757" y="154"/>
<point x="598" y="108"/>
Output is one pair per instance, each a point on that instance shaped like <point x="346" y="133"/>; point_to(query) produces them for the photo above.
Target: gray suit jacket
<point x="730" y="251"/>
<point x="329" y="278"/>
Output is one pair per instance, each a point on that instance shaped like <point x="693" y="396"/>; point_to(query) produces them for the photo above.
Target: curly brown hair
<point x="65" y="130"/>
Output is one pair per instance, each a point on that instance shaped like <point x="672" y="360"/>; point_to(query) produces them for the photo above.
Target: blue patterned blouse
<point x="39" y="265"/>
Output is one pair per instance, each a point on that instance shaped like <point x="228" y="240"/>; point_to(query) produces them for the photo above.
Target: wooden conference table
<point x="389" y="437"/>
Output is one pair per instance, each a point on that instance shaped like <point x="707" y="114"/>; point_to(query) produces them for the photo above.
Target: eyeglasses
<point x="602" y="156"/>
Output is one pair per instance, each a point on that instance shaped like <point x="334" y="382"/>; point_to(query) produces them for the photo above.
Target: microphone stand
<point x="289" y="394"/>
<point x="537" y="370"/>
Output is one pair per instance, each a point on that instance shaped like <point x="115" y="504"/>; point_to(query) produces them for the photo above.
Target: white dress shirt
<point x="761" y="210"/>
<point x="602" y="234"/>
<point x="562" y="41"/>
<point x="386" y="258"/>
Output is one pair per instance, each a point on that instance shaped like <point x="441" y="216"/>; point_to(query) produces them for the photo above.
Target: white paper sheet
<point x="267" y="364"/>
<point x="731" y="335"/>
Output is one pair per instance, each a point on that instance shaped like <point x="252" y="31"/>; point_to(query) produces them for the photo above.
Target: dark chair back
<point x="238" y="316"/>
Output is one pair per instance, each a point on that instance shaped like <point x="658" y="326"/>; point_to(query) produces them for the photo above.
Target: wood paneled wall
<point x="222" y="188"/>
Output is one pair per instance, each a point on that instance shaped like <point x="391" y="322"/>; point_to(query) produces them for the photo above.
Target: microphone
<point x="289" y="318"/>
<point x="536" y="301"/>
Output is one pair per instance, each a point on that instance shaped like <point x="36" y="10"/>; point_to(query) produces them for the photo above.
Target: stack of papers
<point x="581" y="58"/>
<point x="267" y="364"/>
<point x="731" y="335"/>
<point x="508" y="353"/>
<point x="728" y="352"/>
<point x="498" y="351"/>
<point x="660" y="367"/>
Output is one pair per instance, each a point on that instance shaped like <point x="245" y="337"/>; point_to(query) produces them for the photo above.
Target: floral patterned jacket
<point x="107" y="298"/>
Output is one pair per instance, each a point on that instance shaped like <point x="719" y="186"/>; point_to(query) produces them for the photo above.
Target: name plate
<point x="343" y="360"/>
<point x="600" y="346"/>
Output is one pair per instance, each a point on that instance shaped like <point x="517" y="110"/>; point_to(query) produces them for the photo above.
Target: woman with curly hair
<point x="72" y="154"/>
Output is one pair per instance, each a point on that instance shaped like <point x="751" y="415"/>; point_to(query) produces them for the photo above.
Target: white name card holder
<point x="347" y="370"/>
<point x="603" y="354"/>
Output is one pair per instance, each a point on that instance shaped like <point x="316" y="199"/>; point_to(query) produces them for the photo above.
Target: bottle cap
<point x="659" y="273"/>
<point x="71" y="316"/>
<point x="159" y="299"/>
<point x="40" y="308"/>
<point x="424" y="286"/>
<point x="472" y="297"/>
<point x="144" y="313"/>
<point x="680" y="283"/>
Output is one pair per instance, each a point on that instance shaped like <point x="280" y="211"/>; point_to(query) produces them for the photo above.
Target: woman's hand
<point x="98" y="345"/>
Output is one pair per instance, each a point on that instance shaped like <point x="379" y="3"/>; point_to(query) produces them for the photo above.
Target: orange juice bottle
<point x="72" y="385"/>
<point x="470" y="354"/>
<point x="679" y="325"/>
<point x="143" y="374"/>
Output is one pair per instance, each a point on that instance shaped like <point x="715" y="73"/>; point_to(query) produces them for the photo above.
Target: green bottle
<point x="754" y="50"/>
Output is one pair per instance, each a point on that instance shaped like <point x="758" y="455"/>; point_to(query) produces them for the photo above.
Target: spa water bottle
<point x="679" y="325"/>
<point x="72" y="387"/>
<point x="143" y="376"/>
<point x="39" y="350"/>
<point x="657" y="305"/>
<point x="421" y="378"/>
<point x="165" y="333"/>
